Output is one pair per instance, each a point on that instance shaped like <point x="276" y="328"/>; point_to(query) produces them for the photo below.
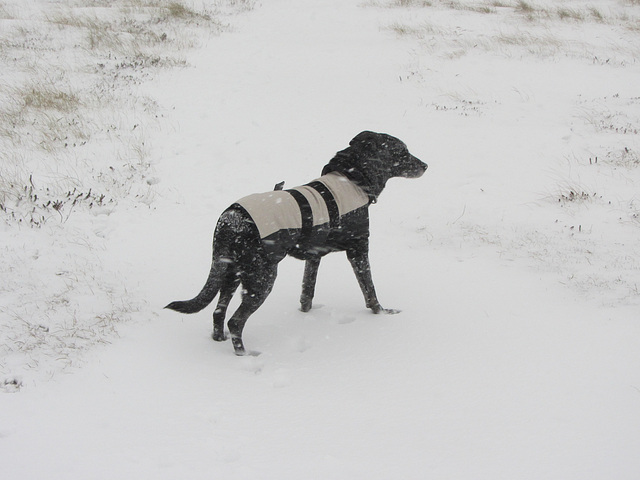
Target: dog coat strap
<point x="305" y="211"/>
<point x="329" y="199"/>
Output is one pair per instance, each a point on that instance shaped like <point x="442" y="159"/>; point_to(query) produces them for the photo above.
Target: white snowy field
<point x="127" y="127"/>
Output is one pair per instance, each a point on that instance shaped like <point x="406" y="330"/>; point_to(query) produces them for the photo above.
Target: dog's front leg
<point x="359" y="258"/>
<point x="309" y="283"/>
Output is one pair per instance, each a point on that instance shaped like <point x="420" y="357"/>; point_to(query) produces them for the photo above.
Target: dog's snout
<point x="417" y="167"/>
<point x="422" y="165"/>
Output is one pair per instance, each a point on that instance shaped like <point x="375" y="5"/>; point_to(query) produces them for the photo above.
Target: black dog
<point x="329" y="214"/>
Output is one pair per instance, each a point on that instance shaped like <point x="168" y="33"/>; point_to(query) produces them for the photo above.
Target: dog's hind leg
<point x="229" y="286"/>
<point x="309" y="283"/>
<point x="256" y="287"/>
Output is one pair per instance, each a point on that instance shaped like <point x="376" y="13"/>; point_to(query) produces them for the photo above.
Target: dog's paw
<point x="388" y="311"/>
<point x="240" y="351"/>
<point x="391" y="311"/>
<point x="315" y="306"/>
<point x="305" y="307"/>
<point x="247" y="353"/>
<point x="219" y="336"/>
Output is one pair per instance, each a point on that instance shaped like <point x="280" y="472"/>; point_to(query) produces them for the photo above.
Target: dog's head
<point x="387" y="154"/>
<point x="372" y="159"/>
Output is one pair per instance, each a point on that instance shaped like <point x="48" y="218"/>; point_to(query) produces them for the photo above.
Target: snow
<point x="515" y="259"/>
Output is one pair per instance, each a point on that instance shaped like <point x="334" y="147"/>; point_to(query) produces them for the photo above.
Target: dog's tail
<point x="208" y="292"/>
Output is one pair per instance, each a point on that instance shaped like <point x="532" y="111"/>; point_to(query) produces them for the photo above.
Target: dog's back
<point x="279" y="210"/>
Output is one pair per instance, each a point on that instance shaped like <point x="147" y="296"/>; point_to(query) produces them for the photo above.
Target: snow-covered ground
<point x="515" y="260"/>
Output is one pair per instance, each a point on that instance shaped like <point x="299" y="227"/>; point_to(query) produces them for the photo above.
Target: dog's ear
<point x="365" y="141"/>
